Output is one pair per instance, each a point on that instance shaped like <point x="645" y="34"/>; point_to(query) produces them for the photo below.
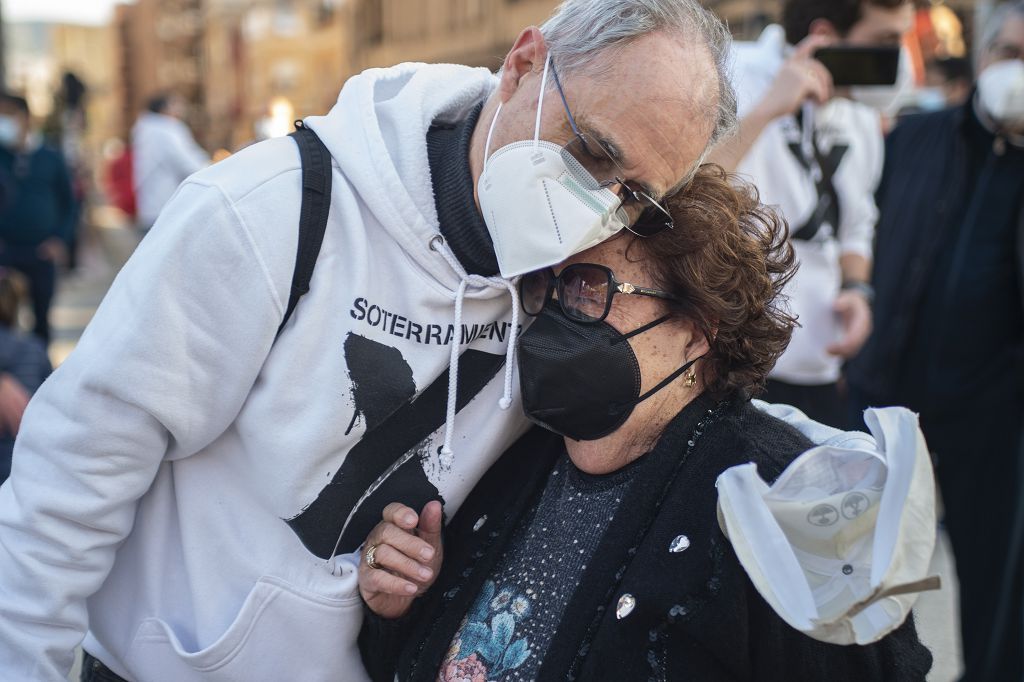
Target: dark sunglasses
<point x="585" y="291"/>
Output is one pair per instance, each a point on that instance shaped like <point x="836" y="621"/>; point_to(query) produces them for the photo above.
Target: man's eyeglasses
<point x="589" y="155"/>
<point x="585" y="291"/>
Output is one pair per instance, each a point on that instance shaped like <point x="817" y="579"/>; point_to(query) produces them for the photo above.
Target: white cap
<point x="840" y="545"/>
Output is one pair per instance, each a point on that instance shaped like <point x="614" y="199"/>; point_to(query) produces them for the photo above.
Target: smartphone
<point x="860" y="65"/>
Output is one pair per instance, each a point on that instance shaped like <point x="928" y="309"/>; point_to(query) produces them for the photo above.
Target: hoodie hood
<point x="377" y="132"/>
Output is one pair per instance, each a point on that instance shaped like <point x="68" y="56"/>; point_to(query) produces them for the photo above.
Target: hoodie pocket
<point x="280" y="633"/>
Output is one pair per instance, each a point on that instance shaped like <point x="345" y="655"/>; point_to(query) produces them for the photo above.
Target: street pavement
<point x="111" y="242"/>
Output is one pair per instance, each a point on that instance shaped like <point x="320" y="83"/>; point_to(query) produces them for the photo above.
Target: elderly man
<point x="188" y="483"/>
<point x="949" y="341"/>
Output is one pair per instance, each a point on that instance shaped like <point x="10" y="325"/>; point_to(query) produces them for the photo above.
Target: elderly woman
<point x="591" y="549"/>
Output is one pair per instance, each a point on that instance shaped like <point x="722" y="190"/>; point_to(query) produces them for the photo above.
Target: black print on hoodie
<point x="826" y="209"/>
<point x="397" y="422"/>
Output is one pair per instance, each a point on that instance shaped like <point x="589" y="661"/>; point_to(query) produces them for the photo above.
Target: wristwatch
<point x="866" y="290"/>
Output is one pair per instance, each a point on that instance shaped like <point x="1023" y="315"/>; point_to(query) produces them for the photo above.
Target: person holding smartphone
<point x="949" y="337"/>
<point x="809" y="94"/>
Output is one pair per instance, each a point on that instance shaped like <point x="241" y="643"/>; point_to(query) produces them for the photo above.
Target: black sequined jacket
<point x="696" y="615"/>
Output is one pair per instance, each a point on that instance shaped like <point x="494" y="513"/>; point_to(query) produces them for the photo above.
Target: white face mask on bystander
<point x="1001" y="92"/>
<point x="10" y="131"/>
<point x="539" y="204"/>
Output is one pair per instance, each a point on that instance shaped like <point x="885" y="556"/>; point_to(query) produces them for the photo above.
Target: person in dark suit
<point x="38" y="215"/>
<point x="949" y="330"/>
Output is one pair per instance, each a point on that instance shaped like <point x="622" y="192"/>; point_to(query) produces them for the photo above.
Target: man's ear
<point x="527" y="55"/>
<point x="824" y="28"/>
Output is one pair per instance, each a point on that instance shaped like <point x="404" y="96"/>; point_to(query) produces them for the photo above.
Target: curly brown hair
<point x="726" y="262"/>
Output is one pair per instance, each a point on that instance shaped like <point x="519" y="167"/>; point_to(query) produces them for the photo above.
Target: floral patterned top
<point x="507" y="630"/>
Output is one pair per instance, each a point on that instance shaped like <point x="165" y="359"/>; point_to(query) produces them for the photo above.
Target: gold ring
<point x="370" y="556"/>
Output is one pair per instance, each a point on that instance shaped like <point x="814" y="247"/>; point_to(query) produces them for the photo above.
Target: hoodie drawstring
<point x="465" y="280"/>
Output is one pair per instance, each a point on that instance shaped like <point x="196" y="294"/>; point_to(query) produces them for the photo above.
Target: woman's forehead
<point x="613" y="253"/>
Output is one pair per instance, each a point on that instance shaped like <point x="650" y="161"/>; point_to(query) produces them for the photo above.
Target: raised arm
<point x="801" y="78"/>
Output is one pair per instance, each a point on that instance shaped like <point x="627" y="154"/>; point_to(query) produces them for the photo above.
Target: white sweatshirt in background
<point x="852" y="134"/>
<point x="163" y="154"/>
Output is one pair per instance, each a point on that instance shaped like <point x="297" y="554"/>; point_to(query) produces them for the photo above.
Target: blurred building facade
<point x="249" y="66"/>
<point x="747" y="18"/>
<point x="160" y="48"/>
<point x="473" y="32"/>
<point x="271" y="62"/>
<point x="267" y="60"/>
<point x="40" y="56"/>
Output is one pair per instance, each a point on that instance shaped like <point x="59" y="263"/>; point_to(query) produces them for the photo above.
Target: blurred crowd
<point x="905" y="204"/>
<point x="911" y="250"/>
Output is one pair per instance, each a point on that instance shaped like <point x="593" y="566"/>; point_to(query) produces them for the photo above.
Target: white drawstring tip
<point x="447" y="457"/>
<point x="445" y="454"/>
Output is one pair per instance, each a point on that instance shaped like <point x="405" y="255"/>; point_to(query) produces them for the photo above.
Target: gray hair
<point x="996" y="19"/>
<point x="580" y="29"/>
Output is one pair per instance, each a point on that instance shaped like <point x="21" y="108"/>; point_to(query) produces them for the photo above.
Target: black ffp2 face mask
<point x="581" y="381"/>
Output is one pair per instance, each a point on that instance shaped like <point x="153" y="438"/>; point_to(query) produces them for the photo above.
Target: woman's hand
<point x="405" y="552"/>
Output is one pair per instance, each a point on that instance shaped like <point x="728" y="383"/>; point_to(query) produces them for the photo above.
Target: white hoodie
<point x="182" y="477"/>
<point x="156" y="469"/>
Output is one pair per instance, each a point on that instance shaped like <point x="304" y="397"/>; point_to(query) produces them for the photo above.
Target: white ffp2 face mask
<point x="1001" y="92"/>
<point x="539" y="205"/>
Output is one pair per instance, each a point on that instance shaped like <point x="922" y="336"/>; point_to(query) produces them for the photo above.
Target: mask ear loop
<point x="536" y="126"/>
<point x="540" y="100"/>
<point x="639" y="330"/>
<point x="661" y="384"/>
<point x="666" y="381"/>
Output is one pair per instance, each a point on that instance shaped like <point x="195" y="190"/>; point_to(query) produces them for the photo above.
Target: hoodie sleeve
<point x="161" y="371"/>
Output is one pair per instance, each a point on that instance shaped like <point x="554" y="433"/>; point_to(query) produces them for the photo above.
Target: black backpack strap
<point x="316" y="206"/>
